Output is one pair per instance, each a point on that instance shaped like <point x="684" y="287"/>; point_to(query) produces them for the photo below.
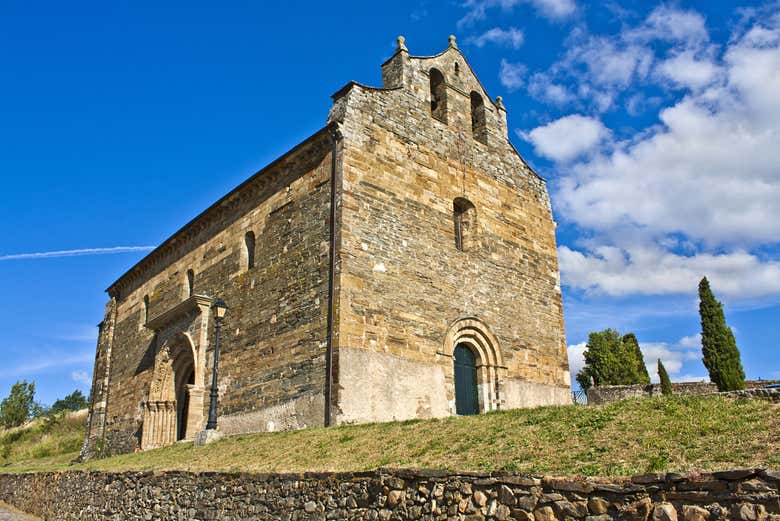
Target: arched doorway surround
<point x="472" y="334"/>
<point x="171" y="413"/>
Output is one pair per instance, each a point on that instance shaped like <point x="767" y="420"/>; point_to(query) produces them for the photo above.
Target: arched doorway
<point x="168" y="412"/>
<point x="478" y="368"/>
<point x="185" y="377"/>
<point x="466" y="399"/>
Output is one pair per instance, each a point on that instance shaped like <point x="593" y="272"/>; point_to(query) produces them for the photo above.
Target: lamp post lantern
<point x="220" y="309"/>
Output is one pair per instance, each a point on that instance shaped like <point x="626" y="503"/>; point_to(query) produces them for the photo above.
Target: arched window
<point x="190" y="282"/>
<point x="438" y="95"/>
<point x="146" y="309"/>
<point x="465" y="217"/>
<point x="478" y="124"/>
<point x="249" y="250"/>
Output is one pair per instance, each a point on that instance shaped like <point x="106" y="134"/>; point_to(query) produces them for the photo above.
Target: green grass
<point x="629" y="437"/>
<point x="53" y="440"/>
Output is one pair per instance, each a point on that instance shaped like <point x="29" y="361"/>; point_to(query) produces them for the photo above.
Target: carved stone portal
<point x="174" y="410"/>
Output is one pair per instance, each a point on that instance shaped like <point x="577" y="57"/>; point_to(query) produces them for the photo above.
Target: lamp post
<point x="220" y="308"/>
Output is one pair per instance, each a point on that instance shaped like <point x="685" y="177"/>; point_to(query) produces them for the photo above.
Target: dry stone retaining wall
<point x="614" y="393"/>
<point x="737" y="495"/>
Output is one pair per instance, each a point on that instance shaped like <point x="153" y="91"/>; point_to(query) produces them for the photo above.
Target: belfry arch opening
<point x="438" y="95"/>
<point x="478" y="120"/>
<point x="170" y="413"/>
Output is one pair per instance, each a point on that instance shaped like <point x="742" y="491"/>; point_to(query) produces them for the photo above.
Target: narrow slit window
<point x="190" y="282"/>
<point x="146" y="309"/>
<point x="249" y="250"/>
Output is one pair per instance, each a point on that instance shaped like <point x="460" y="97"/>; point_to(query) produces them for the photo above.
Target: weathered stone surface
<point x="544" y="514"/>
<point x="613" y="393"/>
<point x="389" y="495"/>
<point x="746" y="512"/>
<point x="695" y="513"/>
<point x="402" y="177"/>
<point x="506" y="496"/>
<point x="597" y="505"/>
<point x="394" y="497"/>
<point x="575" y="509"/>
<point x="664" y="512"/>
<point x="636" y="511"/>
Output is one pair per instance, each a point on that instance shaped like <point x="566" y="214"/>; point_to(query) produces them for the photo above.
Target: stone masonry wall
<point x="614" y="393"/>
<point x="272" y="365"/>
<point x="738" y="495"/>
<point x="403" y="282"/>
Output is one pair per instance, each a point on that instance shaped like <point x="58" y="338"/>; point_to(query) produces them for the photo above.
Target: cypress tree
<point x="719" y="349"/>
<point x="666" y="384"/>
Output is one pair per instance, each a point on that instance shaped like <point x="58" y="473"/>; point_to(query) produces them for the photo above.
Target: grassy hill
<point x="54" y="440"/>
<point x="629" y="437"/>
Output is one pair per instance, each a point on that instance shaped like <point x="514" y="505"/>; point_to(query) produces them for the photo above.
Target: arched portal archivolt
<point x="491" y="371"/>
<point x="174" y="409"/>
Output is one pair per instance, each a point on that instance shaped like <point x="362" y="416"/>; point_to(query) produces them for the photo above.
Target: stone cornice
<point x="190" y="305"/>
<point x="177" y="243"/>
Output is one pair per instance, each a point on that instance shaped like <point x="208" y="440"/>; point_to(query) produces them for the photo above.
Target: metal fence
<point x="579" y="397"/>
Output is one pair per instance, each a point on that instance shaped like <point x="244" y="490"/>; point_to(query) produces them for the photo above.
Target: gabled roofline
<point x="492" y="101"/>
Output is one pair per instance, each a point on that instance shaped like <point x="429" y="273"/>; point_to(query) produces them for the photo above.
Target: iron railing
<point x="579" y="397"/>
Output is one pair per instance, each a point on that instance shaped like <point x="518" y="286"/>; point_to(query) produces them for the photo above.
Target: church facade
<point x="399" y="263"/>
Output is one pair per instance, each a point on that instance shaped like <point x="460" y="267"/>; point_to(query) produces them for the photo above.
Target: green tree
<point x="73" y="402"/>
<point x="638" y="370"/>
<point x="666" y="384"/>
<point x="721" y="356"/>
<point x="612" y="359"/>
<point x="17" y="407"/>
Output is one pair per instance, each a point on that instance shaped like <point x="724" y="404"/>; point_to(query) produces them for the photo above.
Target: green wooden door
<point x="466" y="401"/>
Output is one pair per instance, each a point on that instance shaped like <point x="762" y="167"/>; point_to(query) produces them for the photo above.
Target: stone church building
<point x="399" y="263"/>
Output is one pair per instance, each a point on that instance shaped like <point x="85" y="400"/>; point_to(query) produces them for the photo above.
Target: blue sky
<point x="656" y="125"/>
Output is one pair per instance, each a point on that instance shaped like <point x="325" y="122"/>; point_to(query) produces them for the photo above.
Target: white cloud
<point x="691" y="341"/>
<point x="81" y="377"/>
<point x="605" y="66"/>
<point x="552" y="9"/>
<point x="74" y="253"/>
<point x="555" y="9"/>
<point x="673" y="356"/>
<point x="511" y="75"/>
<point x="610" y="62"/>
<point x="695" y="195"/>
<point x="541" y="86"/>
<point x="567" y="138"/>
<point x="710" y="170"/>
<point x="673" y="25"/>
<point x="576" y="358"/>
<point x="685" y="70"/>
<point x="642" y="270"/>
<point x="511" y="37"/>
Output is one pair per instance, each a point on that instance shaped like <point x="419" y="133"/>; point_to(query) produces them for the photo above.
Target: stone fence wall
<point x="737" y="495"/>
<point x="613" y="393"/>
